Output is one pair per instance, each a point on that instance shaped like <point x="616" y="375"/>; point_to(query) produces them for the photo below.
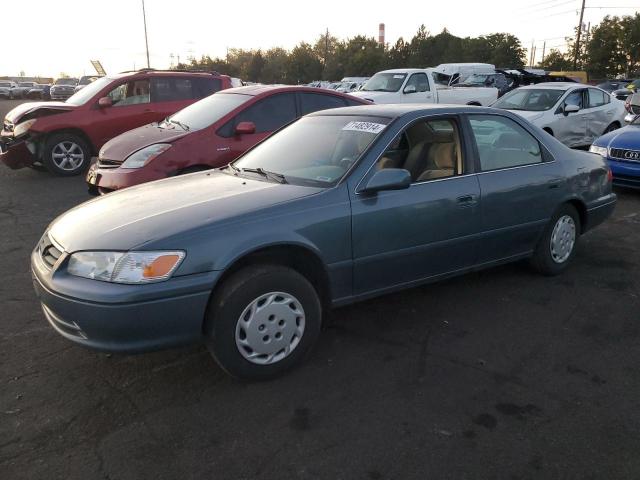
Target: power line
<point x="536" y="5"/>
<point x="550" y="7"/>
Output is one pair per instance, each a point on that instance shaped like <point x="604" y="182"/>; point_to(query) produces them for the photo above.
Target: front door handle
<point x="467" y="200"/>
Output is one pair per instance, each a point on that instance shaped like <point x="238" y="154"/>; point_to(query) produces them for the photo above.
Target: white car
<point x="8" y="89"/>
<point x="574" y="113"/>
<point x="417" y="85"/>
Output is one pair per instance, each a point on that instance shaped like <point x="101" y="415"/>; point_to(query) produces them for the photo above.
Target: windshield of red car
<point x="316" y="150"/>
<point x="87" y="93"/>
<point x="209" y="110"/>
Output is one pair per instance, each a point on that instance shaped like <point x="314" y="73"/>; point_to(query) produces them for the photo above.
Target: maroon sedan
<point x="210" y="133"/>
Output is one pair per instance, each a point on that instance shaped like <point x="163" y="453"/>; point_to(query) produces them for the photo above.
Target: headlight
<point x="125" y="267"/>
<point x="144" y="156"/>
<point x="599" y="150"/>
<point x="22" y="128"/>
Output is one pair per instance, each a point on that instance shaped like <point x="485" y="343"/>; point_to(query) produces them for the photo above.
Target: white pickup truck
<point x="416" y="85"/>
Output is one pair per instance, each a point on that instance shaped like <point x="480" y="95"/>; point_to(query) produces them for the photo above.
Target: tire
<point x="231" y="330"/>
<point x="75" y="163"/>
<point x="557" y="246"/>
<point x="611" y="128"/>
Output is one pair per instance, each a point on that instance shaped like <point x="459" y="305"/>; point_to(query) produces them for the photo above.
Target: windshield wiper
<point x="234" y="168"/>
<point x="180" y="124"/>
<point x="266" y="173"/>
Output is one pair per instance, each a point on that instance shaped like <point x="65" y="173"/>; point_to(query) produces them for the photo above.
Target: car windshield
<point x="207" y="111"/>
<point x="534" y="100"/>
<point x="67" y="81"/>
<point x="87" y="93"/>
<point x="385" y="82"/>
<point x="314" y="151"/>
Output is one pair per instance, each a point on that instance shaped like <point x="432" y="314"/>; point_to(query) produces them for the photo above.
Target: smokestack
<point x="381" y="34"/>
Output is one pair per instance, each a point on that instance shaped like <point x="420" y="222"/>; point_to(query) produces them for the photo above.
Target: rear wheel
<point x="262" y="321"/>
<point x="611" y="128"/>
<point x="558" y="243"/>
<point x="66" y="154"/>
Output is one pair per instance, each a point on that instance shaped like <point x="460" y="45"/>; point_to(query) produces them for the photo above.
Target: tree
<point x="556" y="60"/>
<point x="630" y="39"/>
<point x="303" y="65"/>
<point x="275" y="65"/>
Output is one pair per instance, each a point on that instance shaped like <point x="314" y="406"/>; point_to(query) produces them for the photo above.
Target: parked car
<point x="40" y="92"/>
<point x="573" y="113"/>
<point x="497" y="80"/>
<point x="64" y="136"/>
<point x="209" y="133"/>
<point x="86" y="80"/>
<point x="622" y="151"/>
<point x="449" y="74"/>
<point x="8" y="89"/>
<point x="23" y="89"/>
<point x="612" y="85"/>
<point x="632" y="106"/>
<point x="621" y="94"/>
<point x="340" y="206"/>
<point x="417" y="85"/>
<point x="63" y="88"/>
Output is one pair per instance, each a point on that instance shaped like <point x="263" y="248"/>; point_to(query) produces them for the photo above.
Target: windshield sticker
<point x="364" y="127"/>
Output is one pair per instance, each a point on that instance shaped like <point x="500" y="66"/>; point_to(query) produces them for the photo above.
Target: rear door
<point x="520" y="184"/>
<point x="170" y="94"/>
<point x="268" y="114"/>
<point x="599" y="111"/>
<point x="131" y="109"/>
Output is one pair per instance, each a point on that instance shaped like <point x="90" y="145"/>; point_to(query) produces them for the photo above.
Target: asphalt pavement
<point x="502" y="374"/>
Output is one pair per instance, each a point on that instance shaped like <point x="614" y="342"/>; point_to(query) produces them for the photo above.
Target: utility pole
<point x="575" y="57"/>
<point x="326" y="51"/>
<point x="531" y="54"/>
<point x="146" y="41"/>
<point x="544" y="47"/>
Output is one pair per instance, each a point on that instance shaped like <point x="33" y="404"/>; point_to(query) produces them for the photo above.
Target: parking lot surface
<point x="502" y="374"/>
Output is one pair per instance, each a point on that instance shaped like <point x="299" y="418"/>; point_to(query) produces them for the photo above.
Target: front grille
<point x="104" y="163"/>
<point x="625" y="155"/>
<point x="49" y="252"/>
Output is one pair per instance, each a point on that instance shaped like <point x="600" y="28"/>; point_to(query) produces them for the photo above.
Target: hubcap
<point x="563" y="238"/>
<point x="67" y="155"/>
<point x="270" y="328"/>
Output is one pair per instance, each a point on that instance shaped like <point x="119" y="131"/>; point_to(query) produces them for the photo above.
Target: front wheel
<point x="558" y="243"/>
<point x="263" y="321"/>
<point x="611" y="128"/>
<point x="66" y="154"/>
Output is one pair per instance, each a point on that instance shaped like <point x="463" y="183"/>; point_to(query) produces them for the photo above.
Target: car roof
<point x="404" y="70"/>
<point x="400" y="109"/>
<point x="554" y="86"/>
<point x="165" y="73"/>
<point x="255" y="90"/>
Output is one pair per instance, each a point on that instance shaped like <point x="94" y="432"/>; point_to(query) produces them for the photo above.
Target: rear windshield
<point x="534" y="100"/>
<point x="209" y="110"/>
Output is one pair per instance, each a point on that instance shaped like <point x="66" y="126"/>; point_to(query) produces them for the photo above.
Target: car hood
<point x="120" y="147"/>
<point x="132" y="217"/>
<point x="627" y="138"/>
<point x="532" y="116"/>
<point x="23" y="109"/>
<point x="373" y="96"/>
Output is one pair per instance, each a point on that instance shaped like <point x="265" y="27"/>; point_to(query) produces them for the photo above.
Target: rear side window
<point x="597" y="98"/>
<point x="271" y="113"/>
<point x="168" y="89"/>
<point x="312" y="102"/>
<point x="502" y="143"/>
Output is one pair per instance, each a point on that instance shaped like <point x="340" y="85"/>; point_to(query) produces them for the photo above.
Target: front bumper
<point x="104" y="180"/>
<point x="123" y="318"/>
<point x="60" y="95"/>
<point x="14" y="153"/>
<point x="625" y="174"/>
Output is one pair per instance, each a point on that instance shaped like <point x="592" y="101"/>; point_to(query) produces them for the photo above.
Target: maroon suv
<point x="63" y="136"/>
<point x="210" y="133"/>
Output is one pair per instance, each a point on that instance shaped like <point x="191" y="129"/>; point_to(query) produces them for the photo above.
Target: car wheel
<point x="611" y="128"/>
<point x="558" y="243"/>
<point x="66" y="154"/>
<point x="262" y="321"/>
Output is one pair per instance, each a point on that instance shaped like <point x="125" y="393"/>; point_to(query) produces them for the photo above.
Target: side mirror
<point x="245" y="128"/>
<point x="410" y="89"/>
<point x="105" y="102"/>
<point x="388" y="179"/>
<point x="567" y="109"/>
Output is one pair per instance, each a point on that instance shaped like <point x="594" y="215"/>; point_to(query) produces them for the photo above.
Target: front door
<point x="417" y="90"/>
<point x="520" y="186"/>
<point x="404" y="236"/>
<point x="571" y="128"/>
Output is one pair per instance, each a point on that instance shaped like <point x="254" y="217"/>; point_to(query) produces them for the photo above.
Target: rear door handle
<point x="467" y="200"/>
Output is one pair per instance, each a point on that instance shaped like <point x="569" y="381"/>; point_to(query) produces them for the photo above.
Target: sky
<point x="112" y="31"/>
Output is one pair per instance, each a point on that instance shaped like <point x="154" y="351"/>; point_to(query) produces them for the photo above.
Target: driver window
<point x="419" y="81"/>
<point x="428" y="149"/>
<point x="574" y="98"/>
<point x="130" y="93"/>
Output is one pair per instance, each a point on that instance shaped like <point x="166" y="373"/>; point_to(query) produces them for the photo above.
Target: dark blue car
<point x="621" y="148"/>
<point x="340" y="206"/>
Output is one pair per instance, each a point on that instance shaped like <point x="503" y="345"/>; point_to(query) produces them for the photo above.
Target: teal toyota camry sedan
<point x="339" y="206"/>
